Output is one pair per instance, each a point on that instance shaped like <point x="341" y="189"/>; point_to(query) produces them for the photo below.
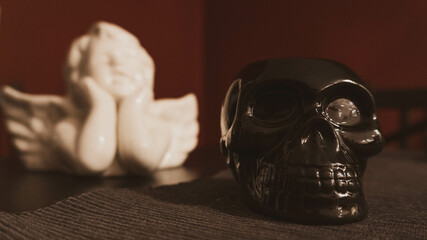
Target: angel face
<point x="119" y="69"/>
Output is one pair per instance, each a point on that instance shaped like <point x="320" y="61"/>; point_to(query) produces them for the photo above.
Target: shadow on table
<point x="25" y="191"/>
<point x="221" y="194"/>
<point x="21" y="190"/>
<point x="394" y="185"/>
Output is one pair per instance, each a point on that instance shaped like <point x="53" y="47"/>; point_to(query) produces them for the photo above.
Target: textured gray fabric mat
<point x="211" y="209"/>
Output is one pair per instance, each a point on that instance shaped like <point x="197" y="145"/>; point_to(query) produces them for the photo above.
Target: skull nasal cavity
<point x="316" y="138"/>
<point x="319" y="135"/>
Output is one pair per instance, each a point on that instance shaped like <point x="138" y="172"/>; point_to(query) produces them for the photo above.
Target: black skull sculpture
<point x="297" y="132"/>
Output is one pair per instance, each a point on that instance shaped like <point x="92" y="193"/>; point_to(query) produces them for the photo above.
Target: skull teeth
<point x="339" y="186"/>
<point x="340" y="172"/>
<point x="336" y="179"/>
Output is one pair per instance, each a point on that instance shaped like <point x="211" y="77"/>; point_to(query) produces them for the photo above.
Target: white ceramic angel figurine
<point x="108" y="123"/>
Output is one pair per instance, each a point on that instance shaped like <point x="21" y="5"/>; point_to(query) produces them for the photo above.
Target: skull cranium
<point x="296" y="133"/>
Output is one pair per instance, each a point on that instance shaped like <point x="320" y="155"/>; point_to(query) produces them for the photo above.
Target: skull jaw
<point x="332" y="211"/>
<point x="327" y="194"/>
<point x="308" y="209"/>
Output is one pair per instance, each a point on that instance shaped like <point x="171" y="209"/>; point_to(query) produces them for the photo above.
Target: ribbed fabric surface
<point x="211" y="209"/>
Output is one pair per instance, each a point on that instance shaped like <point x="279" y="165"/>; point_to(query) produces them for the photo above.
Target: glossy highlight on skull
<point x="297" y="133"/>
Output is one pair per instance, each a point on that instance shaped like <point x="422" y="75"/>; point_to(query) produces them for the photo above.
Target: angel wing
<point x="30" y="120"/>
<point x="181" y="116"/>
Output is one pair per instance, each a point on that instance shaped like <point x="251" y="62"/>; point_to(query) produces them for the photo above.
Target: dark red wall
<point x="383" y="41"/>
<point x="198" y="45"/>
<point x="35" y="37"/>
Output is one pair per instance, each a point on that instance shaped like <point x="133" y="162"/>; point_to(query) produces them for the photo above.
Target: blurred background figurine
<point x="108" y="123"/>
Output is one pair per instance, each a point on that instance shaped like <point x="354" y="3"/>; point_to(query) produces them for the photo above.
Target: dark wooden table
<point x="21" y="190"/>
<point x="124" y="208"/>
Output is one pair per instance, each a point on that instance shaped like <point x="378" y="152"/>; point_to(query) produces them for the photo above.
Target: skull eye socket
<point x="344" y="112"/>
<point x="275" y="106"/>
